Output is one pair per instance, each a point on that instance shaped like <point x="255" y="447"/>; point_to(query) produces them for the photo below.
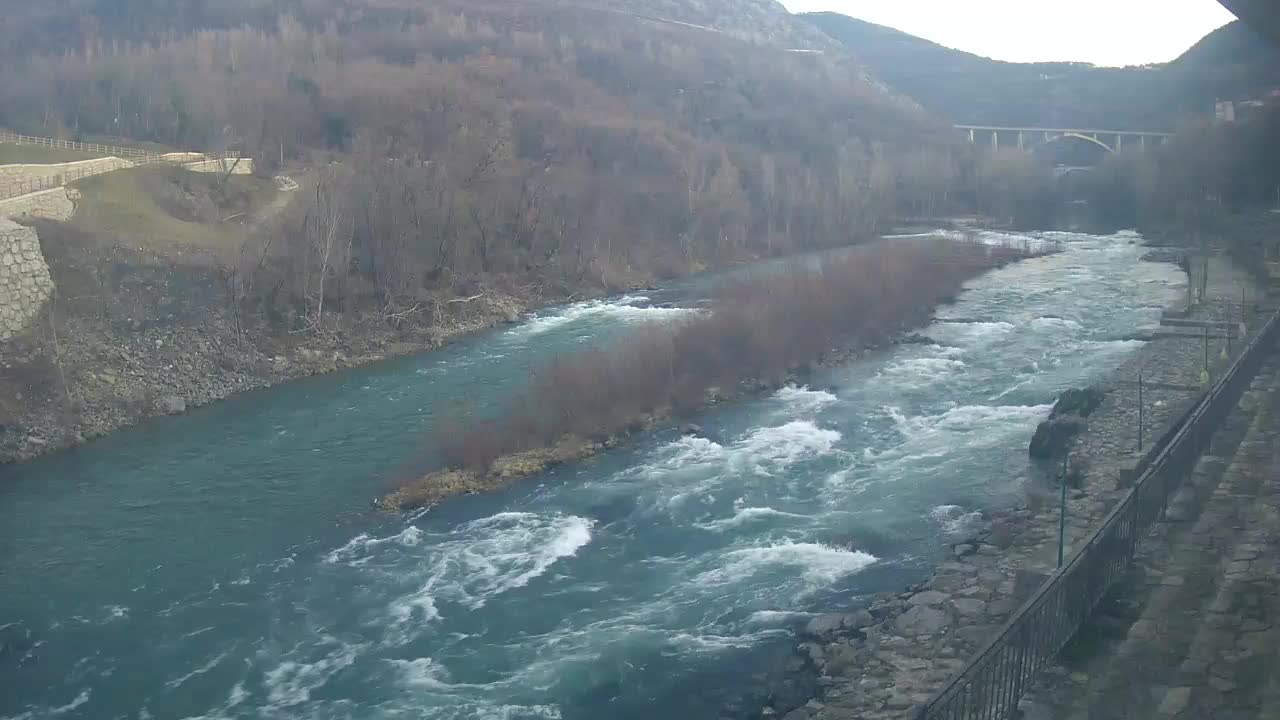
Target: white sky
<point x="1103" y="32"/>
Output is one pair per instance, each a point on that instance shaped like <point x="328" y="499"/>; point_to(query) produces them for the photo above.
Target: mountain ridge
<point x="1230" y="63"/>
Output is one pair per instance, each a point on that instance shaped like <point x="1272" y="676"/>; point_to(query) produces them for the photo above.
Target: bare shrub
<point x="762" y="327"/>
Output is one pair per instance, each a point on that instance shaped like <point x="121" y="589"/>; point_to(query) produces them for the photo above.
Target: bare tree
<point x="327" y="243"/>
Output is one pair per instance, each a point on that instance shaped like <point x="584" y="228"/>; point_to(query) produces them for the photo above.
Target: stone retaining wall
<point x="55" y="204"/>
<point x="25" y="283"/>
<point x="235" y="166"/>
<point x="12" y="174"/>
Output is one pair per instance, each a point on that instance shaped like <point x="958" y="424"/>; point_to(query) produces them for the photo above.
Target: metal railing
<point x="134" y="156"/>
<point x="122" y="152"/>
<point x="19" y="188"/>
<point x="992" y="682"/>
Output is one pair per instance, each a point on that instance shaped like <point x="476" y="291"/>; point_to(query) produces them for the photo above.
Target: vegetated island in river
<point x="757" y="334"/>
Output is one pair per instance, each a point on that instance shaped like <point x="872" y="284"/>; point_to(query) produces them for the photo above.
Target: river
<point x="224" y="564"/>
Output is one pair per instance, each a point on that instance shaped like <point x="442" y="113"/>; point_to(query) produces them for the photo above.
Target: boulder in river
<point x="1080" y="402"/>
<point x="1054" y="436"/>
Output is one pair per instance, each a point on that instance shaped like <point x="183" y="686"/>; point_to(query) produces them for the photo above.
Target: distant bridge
<point x="1112" y="141"/>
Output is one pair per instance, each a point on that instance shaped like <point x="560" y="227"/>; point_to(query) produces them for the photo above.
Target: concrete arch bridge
<point x="1112" y="141"/>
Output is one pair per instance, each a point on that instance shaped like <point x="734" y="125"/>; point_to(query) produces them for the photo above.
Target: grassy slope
<point x="37" y="155"/>
<point x="170" y="212"/>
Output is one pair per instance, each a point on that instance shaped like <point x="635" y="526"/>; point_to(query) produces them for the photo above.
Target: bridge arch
<point x="1079" y="136"/>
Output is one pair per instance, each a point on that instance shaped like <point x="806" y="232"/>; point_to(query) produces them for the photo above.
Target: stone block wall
<point x="25" y="283"/>
<point x="55" y="204"/>
<point x="236" y="166"/>
<point x="12" y="174"/>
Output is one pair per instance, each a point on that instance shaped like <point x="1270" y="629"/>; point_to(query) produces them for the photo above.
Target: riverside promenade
<point x="1194" y="629"/>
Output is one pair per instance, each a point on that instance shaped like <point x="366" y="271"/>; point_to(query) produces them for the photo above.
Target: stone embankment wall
<point x="25" y="283"/>
<point x="13" y="174"/>
<point x="234" y="166"/>
<point x="54" y="204"/>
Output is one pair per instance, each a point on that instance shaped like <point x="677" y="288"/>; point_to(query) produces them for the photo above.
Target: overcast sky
<point x="1103" y="32"/>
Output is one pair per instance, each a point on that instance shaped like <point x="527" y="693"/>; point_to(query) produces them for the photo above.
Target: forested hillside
<point x="581" y="142"/>
<point x="1231" y="63"/>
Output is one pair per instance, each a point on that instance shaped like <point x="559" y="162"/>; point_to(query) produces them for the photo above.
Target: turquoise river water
<point x="225" y="564"/>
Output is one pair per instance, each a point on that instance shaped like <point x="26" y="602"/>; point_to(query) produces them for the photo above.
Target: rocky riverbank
<point x="100" y="375"/>
<point x="888" y="656"/>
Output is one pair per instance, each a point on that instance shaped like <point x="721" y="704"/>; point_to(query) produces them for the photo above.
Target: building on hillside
<point x="1239" y="110"/>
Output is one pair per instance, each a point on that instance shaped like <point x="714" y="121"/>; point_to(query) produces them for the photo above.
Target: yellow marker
<point x="1204" y="378"/>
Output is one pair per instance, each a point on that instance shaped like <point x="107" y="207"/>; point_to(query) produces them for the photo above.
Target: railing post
<point x="1139" y="413"/>
<point x="1062" y="512"/>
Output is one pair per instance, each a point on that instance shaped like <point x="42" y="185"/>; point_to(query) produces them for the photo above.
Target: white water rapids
<point x="211" y="567"/>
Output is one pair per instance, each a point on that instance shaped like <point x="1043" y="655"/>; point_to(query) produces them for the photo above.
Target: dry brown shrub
<point x="761" y="327"/>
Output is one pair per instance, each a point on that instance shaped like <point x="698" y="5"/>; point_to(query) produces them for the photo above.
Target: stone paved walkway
<point x="1194" y="632"/>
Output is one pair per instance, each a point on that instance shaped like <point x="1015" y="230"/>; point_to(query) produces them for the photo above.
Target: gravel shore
<point x="115" y="376"/>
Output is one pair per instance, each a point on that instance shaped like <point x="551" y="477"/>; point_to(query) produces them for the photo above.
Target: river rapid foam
<point x="217" y="571"/>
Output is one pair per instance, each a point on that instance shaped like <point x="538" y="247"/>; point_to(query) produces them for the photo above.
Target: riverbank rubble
<point x="116" y="376"/>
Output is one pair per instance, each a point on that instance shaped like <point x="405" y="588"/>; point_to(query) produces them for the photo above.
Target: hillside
<point x="1230" y="63"/>
<point x="459" y="161"/>
<point x="764" y="22"/>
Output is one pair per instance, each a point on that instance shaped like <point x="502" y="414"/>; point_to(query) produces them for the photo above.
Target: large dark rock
<point x="1054" y="436"/>
<point x="1080" y="402"/>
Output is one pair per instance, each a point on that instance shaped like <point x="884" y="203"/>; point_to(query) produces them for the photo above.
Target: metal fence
<point x="48" y="182"/>
<point x="122" y="152"/>
<point x="990" y="685"/>
<point x="134" y="156"/>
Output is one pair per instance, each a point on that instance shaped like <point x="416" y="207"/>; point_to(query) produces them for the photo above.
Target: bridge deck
<point x="1126" y="133"/>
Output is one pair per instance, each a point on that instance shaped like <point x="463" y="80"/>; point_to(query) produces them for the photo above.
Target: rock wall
<point x="55" y="204"/>
<point x="11" y="174"/>
<point x="236" y="166"/>
<point x="25" y="283"/>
